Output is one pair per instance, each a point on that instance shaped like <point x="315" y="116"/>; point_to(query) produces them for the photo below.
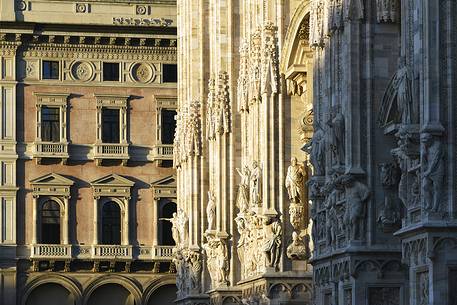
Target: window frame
<point x="41" y="204"/>
<point x="119" y="102"/>
<point x="118" y="71"/>
<point x="51" y="187"/>
<point x="117" y="189"/>
<point x="163" y="73"/>
<point x="51" y="100"/>
<point x="59" y="68"/>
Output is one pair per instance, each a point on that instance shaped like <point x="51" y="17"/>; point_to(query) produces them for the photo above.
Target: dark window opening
<point x="168" y="126"/>
<point x="110" y="125"/>
<point x="50" y="222"/>
<point x="170" y="73"/>
<point x="111" y="224"/>
<point x="111" y="71"/>
<point x="166" y="210"/>
<point x="50" y="124"/>
<point x="50" y="69"/>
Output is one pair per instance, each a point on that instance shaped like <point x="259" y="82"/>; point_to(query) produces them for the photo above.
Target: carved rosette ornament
<point x="82" y="71"/>
<point x="143" y="72"/>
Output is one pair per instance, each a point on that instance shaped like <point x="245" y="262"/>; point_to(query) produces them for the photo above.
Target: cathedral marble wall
<point x="65" y="67"/>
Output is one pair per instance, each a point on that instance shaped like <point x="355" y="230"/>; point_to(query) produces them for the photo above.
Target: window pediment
<point x="112" y="100"/>
<point x="164" y="188"/>
<point x="112" y="185"/>
<point x="51" y="184"/>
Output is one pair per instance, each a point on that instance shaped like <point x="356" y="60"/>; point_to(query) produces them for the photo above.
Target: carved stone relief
<point x="143" y="72"/>
<point x="432" y="171"/>
<point x="422" y="296"/>
<point x="217" y="260"/>
<point x="390" y="213"/>
<point x="357" y="195"/>
<point x="82" y="71"/>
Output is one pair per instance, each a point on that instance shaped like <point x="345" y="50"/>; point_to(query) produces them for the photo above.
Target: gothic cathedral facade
<point x="315" y="152"/>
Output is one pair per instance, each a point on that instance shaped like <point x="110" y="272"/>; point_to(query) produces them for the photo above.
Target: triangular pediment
<point x="52" y="179"/>
<point x="166" y="181"/>
<point x="112" y="180"/>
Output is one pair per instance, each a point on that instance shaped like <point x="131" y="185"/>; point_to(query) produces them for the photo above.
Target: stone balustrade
<point x="111" y="151"/>
<point x="163" y="152"/>
<point x="99" y="252"/>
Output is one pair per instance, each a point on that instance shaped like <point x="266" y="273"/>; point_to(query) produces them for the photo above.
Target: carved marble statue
<point x="295" y="181"/>
<point x="195" y="264"/>
<point x="299" y="248"/>
<point x="316" y="150"/>
<point x="336" y="138"/>
<point x="243" y="189"/>
<point x="433" y="171"/>
<point x="254" y="184"/>
<point x="174" y="229"/>
<point x="272" y="241"/>
<point x="357" y="195"/>
<point x="217" y="259"/>
<point x="211" y="211"/>
<point x="331" y="223"/>
<point x="402" y="161"/>
<point x="182" y="222"/>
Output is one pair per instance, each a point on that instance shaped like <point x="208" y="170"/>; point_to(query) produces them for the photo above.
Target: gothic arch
<point x="299" y="15"/>
<point x="132" y="286"/>
<point x="72" y="286"/>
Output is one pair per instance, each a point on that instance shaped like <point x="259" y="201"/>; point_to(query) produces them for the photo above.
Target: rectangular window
<point x="110" y="125"/>
<point x="50" y="124"/>
<point x="168" y="126"/>
<point x="170" y="73"/>
<point x="111" y="71"/>
<point x="50" y="69"/>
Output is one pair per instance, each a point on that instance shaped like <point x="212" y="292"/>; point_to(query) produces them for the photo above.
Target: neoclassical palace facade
<point x="315" y="152"/>
<point x="88" y="95"/>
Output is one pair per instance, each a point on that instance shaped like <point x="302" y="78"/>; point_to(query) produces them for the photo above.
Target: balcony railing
<point x="112" y="251"/>
<point x="101" y="252"/>
<point x="51" y="251"/>
<point x="50" y="150"/>
<point x="163" y="152"/>
<point x="163" y="252"/>
<point x="113" y="151"/>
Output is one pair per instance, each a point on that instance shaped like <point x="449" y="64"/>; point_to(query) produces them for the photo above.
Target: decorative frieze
<point x="136" y="21"/>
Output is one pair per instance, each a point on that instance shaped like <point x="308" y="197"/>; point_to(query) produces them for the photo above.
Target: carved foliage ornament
<point x="218" y="116"/>
<point x="187" y="142"/>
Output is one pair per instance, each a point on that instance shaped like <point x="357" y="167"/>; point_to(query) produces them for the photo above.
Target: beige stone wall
<point x="82" y="123"/>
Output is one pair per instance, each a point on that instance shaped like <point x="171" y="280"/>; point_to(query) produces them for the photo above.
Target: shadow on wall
<point x="165" y="295"/>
